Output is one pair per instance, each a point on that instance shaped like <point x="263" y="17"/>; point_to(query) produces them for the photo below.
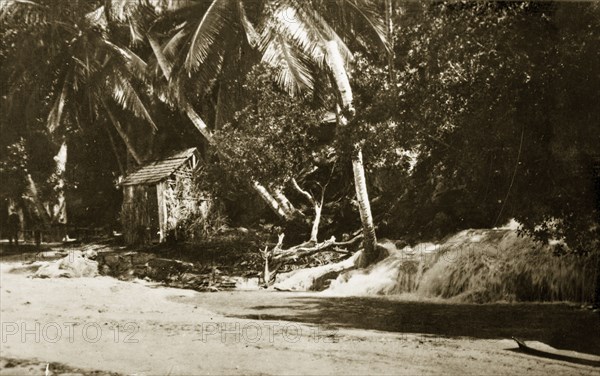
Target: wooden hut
<point x="157" y="196"/>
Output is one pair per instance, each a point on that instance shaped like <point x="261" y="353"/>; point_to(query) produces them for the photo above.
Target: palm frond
<point x="134" y="64"/>
<point x="251" y="34"/>
<point x="368" y="12"/>
<point x="21" y="11"/>
<point x="55" y="116"/>
<point x="308" y="29"/>
<point x="288" y="20"/>
<point x="164" y="6"/>
<point x="97" y="17"/>
<point x="174" y="44"/>
<point x="293" y="75"/>
<point x="125" y="94"/>
<point x="6" y="4"/>
<point x="119" y="9"/>
<point x="165" y="90"/>
<point x="137" y="35"/>
<point x="206" y="34"/>
<point x="319" y="21"/>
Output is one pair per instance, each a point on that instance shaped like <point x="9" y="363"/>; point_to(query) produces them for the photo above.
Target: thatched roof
<point x="154" y="172"/>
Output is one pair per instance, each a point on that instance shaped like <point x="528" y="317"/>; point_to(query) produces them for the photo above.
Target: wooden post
<point x="162" y="210"/>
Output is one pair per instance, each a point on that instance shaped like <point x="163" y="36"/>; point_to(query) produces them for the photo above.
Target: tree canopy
<point x="478" y="113"/>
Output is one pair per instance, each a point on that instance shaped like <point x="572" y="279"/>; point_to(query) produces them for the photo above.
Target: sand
<point x="104" y="325"/>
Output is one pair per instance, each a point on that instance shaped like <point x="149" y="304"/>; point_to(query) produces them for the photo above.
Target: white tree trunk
<point x="59" y="208"/>
<point x="341" y="80"/>
<point x="364" y="208"/>
<point x="287" y="206"/>
<point x="340" y="75"/>
<point x="270" y="201"/>
<point x="38" y="206"/>
<point x="314" y="232"/>
<point x="318" y="207"/>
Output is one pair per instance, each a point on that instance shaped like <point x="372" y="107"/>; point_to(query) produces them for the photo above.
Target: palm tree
<point x="227" y="67"/>
<point x="298" y="37"/>
<point x="84" y="73"/>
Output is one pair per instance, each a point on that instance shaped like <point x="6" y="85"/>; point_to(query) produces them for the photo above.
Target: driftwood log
<point x="277" y="257"/>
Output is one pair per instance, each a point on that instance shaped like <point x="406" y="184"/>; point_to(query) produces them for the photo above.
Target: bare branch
<point x="306" y="194"/>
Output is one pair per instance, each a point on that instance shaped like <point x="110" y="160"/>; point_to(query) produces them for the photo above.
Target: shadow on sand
<point x="559" y="325"/>
<point x="525" y="348"/>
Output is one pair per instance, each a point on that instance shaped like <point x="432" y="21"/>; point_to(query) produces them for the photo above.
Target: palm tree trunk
<point x="340" y="77"/>
<point x="364" y="207"/>
<point x="283" y="201"/>
<point x="198" y="122"/>
<point x="122" y="133"/>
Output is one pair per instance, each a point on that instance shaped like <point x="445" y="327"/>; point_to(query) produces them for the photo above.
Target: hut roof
<point x="158" y="170"/>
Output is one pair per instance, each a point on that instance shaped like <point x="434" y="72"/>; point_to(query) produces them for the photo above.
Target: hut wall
<point x="185" y="207"/>
<point x="139" y="214"/>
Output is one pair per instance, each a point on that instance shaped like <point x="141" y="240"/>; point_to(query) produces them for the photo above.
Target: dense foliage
<point x="488" y="112"/>
<point x="272" y="137"/>
<point x="498" y="101"/>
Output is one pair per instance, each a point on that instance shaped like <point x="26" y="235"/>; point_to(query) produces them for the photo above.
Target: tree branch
<point x="306" y="194"/>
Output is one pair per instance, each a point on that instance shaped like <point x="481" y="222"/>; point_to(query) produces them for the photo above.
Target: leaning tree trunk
<point x="364" y="207"/>
<point x="342" y="82"/>
<point x="271" y="201"/>
<point x="280" y="207"/>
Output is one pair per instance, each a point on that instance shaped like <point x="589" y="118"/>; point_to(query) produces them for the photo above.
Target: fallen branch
<point x="302" y="250"/>
<point x="351" y="241"/>
<point x="309" y="248"/>
<point x="277" y="257"/>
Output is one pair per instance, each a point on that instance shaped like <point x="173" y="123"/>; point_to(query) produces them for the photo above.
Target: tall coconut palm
<point x="82" y="71"/>
<point x="228" y="66"/>
<point x="298" y="37"/>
